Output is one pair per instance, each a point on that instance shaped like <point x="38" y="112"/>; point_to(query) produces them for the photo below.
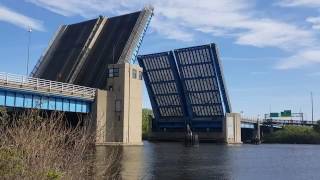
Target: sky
<point x="270" y="50"/>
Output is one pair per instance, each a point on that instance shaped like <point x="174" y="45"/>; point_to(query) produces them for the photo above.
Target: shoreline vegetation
<point x="294" y="135"/>
<point x="39" y="146"/>
<point x="146" y="122"/>
<point x="287" y="135"/>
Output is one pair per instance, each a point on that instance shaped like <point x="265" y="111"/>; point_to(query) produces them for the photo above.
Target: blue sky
<point x="270" y="49"/>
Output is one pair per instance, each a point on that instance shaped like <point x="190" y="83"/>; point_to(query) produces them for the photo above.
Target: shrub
<point x="53" y="175"/>
<point x="317" y="126"/>
<point x="294" y="134"/>
<point x="40" y="146"/>
<point x="146" y="121"/>
<point x="11" y="164"/>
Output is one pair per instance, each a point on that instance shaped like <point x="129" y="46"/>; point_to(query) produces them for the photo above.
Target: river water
<point x="222" y="162"/>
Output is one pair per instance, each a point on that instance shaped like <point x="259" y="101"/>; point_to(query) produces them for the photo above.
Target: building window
<point x="134" y="74"/>
<point x="113" y="72"/>
<point x="110" y="73"/>
<point x="118" y="105"/>
<point x="140" y="75"/>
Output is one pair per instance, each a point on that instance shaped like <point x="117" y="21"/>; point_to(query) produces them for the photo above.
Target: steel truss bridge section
<point x="197" y="72"/>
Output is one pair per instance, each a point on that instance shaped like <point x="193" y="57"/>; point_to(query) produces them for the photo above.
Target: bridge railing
<point x="277" y="121"/>
<point x="47" y="86"/>
<point x="251" y="120"/>
<point x="280" y="121"/>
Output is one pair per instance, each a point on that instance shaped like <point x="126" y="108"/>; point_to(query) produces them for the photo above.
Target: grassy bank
<point x="294" y="135"/>
<point x="146" y="122"/>
<point x="37" y="146"/>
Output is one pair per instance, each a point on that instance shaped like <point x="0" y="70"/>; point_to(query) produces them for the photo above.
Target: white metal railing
<point x="47" y="86"/>
<point x="276" y="121"/>
<point x="251" y="120"/>
<point x="281" y="121"/>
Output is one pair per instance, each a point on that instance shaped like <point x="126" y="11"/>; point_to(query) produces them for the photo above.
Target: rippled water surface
<point x="211" y="161"/>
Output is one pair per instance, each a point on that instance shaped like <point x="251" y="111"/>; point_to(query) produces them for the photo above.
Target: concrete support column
<point x="256" y="134"/>
<point x="232" y="128"/>
<point x="99" y="115"/>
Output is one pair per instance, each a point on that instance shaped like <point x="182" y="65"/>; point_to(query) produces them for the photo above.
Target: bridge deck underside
<point x="200" y="86"/>
<point x="189" y="76"/>
<point x="164" y="88"/>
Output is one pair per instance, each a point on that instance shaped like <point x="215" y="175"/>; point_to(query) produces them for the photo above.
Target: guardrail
<point x="251" y="120"/>
<point x="280" y="121"/>
<point x="277" y="121"/>
<point x="46" y="86"/>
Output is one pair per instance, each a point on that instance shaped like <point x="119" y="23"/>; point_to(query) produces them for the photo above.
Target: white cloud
<point x="185" y="19"/>
<point x="271" y="33"/>
<point x="169" y="30"/>
<point x="86" y="8"/>
<point x="302" y="58"/>
<point x="315" y="21"/>
<point x="20" y="20"/>
<point x="303" y="3"/>
<point x="180" y="19"/>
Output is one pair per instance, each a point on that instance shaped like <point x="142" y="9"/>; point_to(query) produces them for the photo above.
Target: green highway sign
<point x="286" y="113"/>
<point x="274" y="114"/>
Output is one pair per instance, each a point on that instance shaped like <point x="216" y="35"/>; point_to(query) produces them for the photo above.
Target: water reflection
<point x="210" y="161"/>
<point x="108" y="162"/>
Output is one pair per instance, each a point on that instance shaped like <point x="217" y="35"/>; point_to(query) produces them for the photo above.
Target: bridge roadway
<point x="27" y="92"/>
<point x="250" y="122"/>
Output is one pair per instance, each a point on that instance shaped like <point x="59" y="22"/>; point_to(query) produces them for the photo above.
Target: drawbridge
<point x="186" y="87"/>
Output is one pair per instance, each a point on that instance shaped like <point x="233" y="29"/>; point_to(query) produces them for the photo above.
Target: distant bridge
<point x="27" y="92"/>
<point x="250" y="122"/>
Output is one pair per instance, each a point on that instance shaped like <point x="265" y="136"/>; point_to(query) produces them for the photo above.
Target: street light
<point x="29" y="41"/>
<point x="311" y="94"/>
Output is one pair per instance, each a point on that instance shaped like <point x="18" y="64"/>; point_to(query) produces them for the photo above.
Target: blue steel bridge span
<point x="186" y="86"/>
<point x="27" y="92"/>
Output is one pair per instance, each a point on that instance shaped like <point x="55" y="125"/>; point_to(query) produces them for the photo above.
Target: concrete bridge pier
<point x="232" y="128"/>
<point x="256" y="139"/>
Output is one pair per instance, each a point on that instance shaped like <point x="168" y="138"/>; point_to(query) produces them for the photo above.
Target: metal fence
<point x="41" y="85"/>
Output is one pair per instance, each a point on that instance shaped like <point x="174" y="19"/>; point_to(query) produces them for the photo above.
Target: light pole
<point x="311" y="94"/>
<point x="29" y="41"/>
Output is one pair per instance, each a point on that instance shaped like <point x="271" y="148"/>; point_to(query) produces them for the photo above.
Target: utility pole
<point x="311" y="106"/>
<point x="270" y="108"/>
<point x="29" y="41"/>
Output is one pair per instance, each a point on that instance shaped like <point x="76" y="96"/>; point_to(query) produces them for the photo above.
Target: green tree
<point x="317" y="126"/>
<point x="146" y="121"/>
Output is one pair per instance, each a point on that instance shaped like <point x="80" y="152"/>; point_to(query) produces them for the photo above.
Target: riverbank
<point x="294" y="135"/>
